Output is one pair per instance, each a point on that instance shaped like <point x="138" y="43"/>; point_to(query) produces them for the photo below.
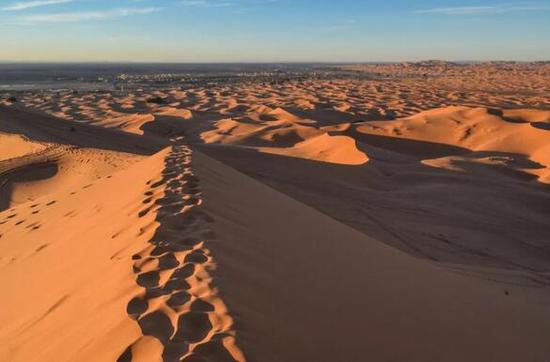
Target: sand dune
<point x="129" y="123"/>
<point x="156" y="199"/>
<point x="65" y="234"/>
<point x="50" y="154"/>
<point x="279" y="132"/>
<point x="332" y="149"/>
<point x="512" y="139"/>
<point x="385" y="219"/>
<point x="68" y="284"/>
<point x="315" y="289"/>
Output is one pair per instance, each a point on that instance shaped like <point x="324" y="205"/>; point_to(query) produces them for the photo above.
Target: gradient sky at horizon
<point x="272" y="30"/>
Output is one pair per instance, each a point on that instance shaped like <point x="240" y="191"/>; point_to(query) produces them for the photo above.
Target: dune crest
<point x="177" y="305"/>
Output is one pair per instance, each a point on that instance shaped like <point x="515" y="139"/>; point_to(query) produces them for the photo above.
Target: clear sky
<point x="273" y="30"/>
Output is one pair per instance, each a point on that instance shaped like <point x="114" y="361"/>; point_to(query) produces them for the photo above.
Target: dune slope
<point x="122" y="278"/>
<point x="66" y="269"/>
<point x="104" y="254"/>
<point x="308" y="288"/>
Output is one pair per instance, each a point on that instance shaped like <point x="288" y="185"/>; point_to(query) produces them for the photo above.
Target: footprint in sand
<point x="174" y="274"/>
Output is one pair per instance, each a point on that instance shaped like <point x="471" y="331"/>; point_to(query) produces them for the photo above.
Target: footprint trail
<point x="177" y="306"/>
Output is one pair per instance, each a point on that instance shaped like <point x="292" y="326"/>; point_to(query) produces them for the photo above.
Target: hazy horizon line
<point x="269" y="61"/>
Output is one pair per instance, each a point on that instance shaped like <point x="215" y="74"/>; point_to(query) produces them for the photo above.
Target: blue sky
<point x="273" y="30"/>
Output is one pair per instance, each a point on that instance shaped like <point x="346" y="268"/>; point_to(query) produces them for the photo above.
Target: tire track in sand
<point x="178" y="307"/>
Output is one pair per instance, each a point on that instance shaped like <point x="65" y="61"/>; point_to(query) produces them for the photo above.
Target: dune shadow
<point x="506" y="164"/>
<point x="500" y="113"/>
<point x="412" y="148"/>
<point x="541" y="125"/>
<point x="324" y="116"/>
<point x="29" y="173"/>
<point x="164" y="127"/>
<point x="467" y="217"/>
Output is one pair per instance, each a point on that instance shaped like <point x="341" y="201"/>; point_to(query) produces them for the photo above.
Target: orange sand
<point x="392" y="220"/>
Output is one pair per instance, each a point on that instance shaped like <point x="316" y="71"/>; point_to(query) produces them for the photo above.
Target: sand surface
<point x="388" y="219"/>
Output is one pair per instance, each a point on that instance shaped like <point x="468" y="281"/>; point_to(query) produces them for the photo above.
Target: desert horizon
<point x="235" y="210"/>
